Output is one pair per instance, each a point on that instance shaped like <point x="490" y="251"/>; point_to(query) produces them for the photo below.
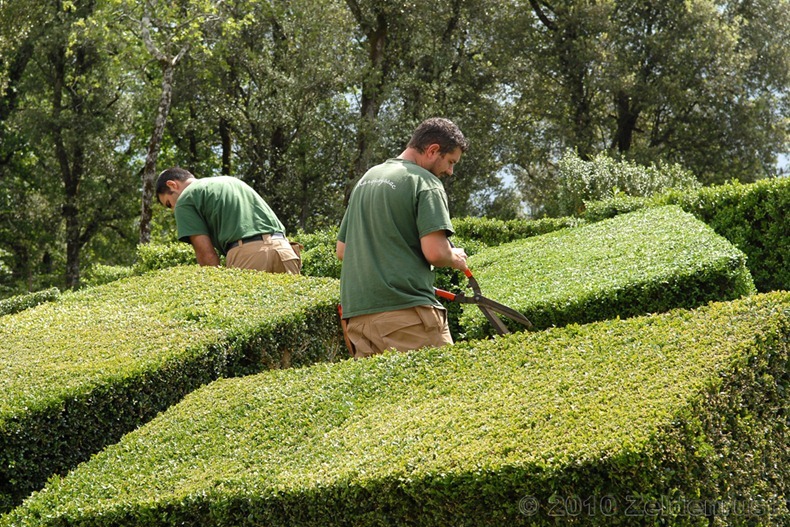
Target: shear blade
<point x="495" y="321"/>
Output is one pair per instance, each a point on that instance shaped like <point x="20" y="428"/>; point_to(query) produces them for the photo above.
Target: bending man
<point x="225" y="214"/>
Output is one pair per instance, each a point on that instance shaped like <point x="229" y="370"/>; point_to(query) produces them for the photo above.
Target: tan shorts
<point x="273" y="255"/>
<point x="402" y="330"/>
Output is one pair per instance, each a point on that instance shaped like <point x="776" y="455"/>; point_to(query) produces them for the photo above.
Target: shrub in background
<point x="104" y="274"/>
<point x="676" y="419"/>
<point x="647" y="261"/>
<point x="77" y="374"/>
<point x="579" y="181"/>
<point x="151" y="257"/>
<point x="491" y="231"/>
<point x="17" y="303"/>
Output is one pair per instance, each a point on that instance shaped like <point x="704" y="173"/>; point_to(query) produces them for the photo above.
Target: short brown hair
<point x="441" y="131"/>
<point x="171" y="174"/>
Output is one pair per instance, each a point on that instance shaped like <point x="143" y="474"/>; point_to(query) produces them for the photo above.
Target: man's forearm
<point x="204" y="251"/>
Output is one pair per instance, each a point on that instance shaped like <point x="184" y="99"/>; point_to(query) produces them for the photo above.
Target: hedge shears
<point x="487" y="306"/>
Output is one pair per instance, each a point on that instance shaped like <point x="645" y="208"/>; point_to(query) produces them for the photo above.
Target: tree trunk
<point x="372" y="91"/>
<point x="71" y="170"/>
<point x="168" y="65"/>
<point x="227" y="145"/>
<point x="627" y="117"/>
<point x="154" y="145"/>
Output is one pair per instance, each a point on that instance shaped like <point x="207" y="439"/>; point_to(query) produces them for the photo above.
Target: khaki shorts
<point x="272" y="255"/>
<point x="401" y="330"/>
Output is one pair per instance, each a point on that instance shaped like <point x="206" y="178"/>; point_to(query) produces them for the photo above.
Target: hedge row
<point x="647" y="261"/>
<point x="676" y="419"/>
<point x="77" y="374"/>
<point x="17" y="303"/>
<point x="493" y="231"/>
<point x="753" y="217"/>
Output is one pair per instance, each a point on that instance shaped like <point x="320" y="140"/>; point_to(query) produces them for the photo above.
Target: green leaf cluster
<point x="492" y="231"/>
<point x="753" y="217"/>
<point x="685" y="407"/>
<point x="77" y="374"/>
<point x="17" y="303"/>
<point x="644" y="262"/>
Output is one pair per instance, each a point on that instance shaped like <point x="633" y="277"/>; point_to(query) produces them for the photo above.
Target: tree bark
<point x="373" y="83"/>
<point x="168" y="65"/>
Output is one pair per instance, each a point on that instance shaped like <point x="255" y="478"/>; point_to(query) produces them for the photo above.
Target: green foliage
<point x="18" y="303"/>
<point x="753" y="217"/>
<point x="643" y="262"/>
<point x="651" y="415"/>
<point x="494" y="231"/>
<point x="79" y="373"/>
<point x="579" y="181"/>
<point x="319" y="257"/>
<point x="153" y="256"/>
<point x="99" y="274"/>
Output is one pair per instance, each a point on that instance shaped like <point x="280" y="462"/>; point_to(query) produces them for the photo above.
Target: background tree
<point x="695" y="83"/>
<point x="66" y="113"/>
<point x="268" y="91"/>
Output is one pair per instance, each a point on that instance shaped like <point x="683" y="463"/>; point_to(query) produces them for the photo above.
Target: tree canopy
<point x="299" y="97"/>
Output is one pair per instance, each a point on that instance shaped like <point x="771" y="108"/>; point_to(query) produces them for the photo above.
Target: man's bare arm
<point x="437" y="250"/>
<point x="204" y="250"/>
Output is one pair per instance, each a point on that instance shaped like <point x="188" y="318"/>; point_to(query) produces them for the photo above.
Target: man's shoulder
<point x="400" y="170"/>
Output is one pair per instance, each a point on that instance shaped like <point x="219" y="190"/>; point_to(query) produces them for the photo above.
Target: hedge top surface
<point x="128" y="326"/>
<point x="536" y="402"/>
<point x="560" y="268"/>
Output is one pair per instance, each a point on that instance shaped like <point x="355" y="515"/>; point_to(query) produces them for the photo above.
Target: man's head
<point x="170" y="184"/>
<point x="439" y="131"/>
<point x="438" y="144"/>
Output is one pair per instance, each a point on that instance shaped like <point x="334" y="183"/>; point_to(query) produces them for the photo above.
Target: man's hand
<point x="437" y="250"/>
<point x="204" y="250"/>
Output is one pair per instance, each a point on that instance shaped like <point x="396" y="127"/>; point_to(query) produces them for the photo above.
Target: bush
<point x="753" y="217"/>
<point x="78" y="374"/>
<point x="647" y="261"/>
<point x="495" y="232"/>
<point x="104" y="274"/>
<point x="675" y="419"/>
<point x="17" y="303"/>
<point x="154" y="256"/>
<point x="580" y="181"/>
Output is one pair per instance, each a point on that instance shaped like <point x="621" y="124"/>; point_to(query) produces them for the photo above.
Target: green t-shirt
<point x="224" y="208"/>
<point x="391" y="208"/>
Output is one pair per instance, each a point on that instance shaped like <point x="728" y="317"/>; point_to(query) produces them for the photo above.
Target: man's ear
<point x="433" y="150"/>
<point x="172" y="184"/>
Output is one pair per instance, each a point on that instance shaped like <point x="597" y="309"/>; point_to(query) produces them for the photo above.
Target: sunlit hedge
<point x="753" y="217"/>
<point x="78" y="373"/>
<point x="17" y="303"/>
<point x="644" y="262"/>
<point x="673" y="419"/>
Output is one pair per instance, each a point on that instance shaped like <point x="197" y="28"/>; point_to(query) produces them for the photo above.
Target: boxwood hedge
<point x="647" y="261"/>
<point x="17" y="303"/>
<point x="753" y="217"/>
<point x="77" y="374"/>
<point x="672" y="419"/>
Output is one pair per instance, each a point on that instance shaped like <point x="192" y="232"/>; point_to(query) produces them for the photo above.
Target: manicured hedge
<point x="493" y="231"/>
<point x="17" y="303"/>
<point x="673" y="419"/>
<point x="753" y="217"/>
<point x="77" y="374"/>
<point x="647" y="261"/>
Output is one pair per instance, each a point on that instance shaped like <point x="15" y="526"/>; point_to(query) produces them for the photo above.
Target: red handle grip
<point x="447" y="295"/>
